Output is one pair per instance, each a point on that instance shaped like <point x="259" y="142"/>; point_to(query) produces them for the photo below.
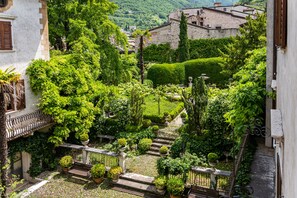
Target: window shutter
<point x="280" y="23"/>
<point x="5" y="36"/>
<point x="20" y="94"/>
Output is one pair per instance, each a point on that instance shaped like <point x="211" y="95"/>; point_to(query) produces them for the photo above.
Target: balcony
<point x="26" y="124"/>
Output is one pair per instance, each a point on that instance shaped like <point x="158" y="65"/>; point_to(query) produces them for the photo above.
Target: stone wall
<point x="30" y="41"/>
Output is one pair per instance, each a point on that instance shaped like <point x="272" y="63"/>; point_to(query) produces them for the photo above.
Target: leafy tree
<point x="136" y="105"/>
<point x="252" y="36"/>
<point x="195" y="105"/>
<point x="183" y="44"/>
<point x="6" y="77"/>
<point x="142" y="36"/>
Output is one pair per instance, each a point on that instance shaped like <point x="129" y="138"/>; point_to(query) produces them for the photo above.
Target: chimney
<point x="217" y="4"/>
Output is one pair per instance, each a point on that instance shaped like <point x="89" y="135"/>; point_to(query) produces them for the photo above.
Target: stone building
<point x="23" y="38"/>
<point x="213" y="22"/>
<point x="281" y="77"/>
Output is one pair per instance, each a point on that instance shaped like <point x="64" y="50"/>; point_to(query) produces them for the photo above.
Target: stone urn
<point x="85" y="143"/>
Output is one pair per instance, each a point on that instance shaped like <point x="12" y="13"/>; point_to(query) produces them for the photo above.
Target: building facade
<point x="23" y="38"/>
<point x="282" y="72"/>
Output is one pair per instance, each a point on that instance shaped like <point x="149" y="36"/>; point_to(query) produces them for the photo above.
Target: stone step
<point x="156" y="149"/>
<point x="159" y="145"/>
<point x="138" y="187"/>
<point x="138" y="178"/>
<point x="170" y="138"/>
<point x="162" y="141"/>
<point x="153" y="153"/>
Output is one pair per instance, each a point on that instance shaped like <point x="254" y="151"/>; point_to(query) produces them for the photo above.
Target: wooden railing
<point x="209" y="178"/>
<point x="26" y="124"/>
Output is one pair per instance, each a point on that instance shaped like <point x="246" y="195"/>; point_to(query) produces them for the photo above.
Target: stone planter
<point x="164" y="155"/>
<point x="183" y="120"/>
<point x="98" y="180"/>
<point x="160" y="189"/>
<point x="175" y="196"/>
<point x="115" y="178"/>
<point x="65" y="170"/>
<point x="212" y="164"/>
<point x="85" y="143"/>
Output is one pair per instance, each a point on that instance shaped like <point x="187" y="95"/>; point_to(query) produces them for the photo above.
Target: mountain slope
<point x="151" y="13"/>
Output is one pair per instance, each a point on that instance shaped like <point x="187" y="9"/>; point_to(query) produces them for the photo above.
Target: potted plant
<point x="114" y="173"/>
<point x="84" y="138"/>
<point x="175" y="187"/>
<point x="212" y="159"/>
<point x="97" y="172"/>
<point x="155" y="129"/>
<point x="163" y="150"/>
<point x="160" y="183"/>
<point x="183" y="116"/>
<point x="66" y="162"/>
<point x="122" y="143"/>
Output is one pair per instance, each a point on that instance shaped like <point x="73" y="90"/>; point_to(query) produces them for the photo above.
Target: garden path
<point x="262" y="172"/>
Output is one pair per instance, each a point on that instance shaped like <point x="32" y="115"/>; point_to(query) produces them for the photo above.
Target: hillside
<point x="151" y="13"/>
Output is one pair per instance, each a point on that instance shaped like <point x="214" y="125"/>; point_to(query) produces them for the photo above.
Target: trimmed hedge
<point x="179" y="73"/>
<point x="207" y="48"/>
<point x="209" y="66"/>
<point x="152" y="53"/>
<point x="162" y="74"/>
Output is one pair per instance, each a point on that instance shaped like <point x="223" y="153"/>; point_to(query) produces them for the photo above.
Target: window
<point x="3" y="3"/>
<point x="5" y="35"/>
<point x="280" y="23"/>
<point x="15" y="96"/>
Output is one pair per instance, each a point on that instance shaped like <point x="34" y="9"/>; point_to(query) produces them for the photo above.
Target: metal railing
<point x="26" y="124"/>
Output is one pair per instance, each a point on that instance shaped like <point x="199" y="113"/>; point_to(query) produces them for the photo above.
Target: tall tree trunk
<point x="141" y="60"/>
<point x="3" y="144"/>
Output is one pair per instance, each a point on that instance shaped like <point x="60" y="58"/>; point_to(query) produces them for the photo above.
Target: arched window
<point x="3" y="3"/>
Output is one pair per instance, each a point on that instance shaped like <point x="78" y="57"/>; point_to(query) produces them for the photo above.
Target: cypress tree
<point x="183" y="45"/>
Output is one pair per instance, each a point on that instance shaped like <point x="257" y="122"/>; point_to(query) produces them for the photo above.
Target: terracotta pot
<point x="175" y="196"/>
<point x="98" y="180"/>
<point x="115" y="178"/>
<point x="65" y="170"/>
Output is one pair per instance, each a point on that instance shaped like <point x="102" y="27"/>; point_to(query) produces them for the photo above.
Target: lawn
<point x="61" y="186"/>
<point x="143" y="164"/>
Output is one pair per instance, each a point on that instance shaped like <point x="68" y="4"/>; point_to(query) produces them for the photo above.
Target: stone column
<point x="122" y="159"/>
<point x="26" y="163"/>
<point x="85" y="157"/>
<point x="213" y="180"/>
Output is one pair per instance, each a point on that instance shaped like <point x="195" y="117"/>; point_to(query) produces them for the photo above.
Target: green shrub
<point x="160" y="182"/>
<point x="175" y="186"/>
<point x="146" y="123"/>
<point x="144" y="145"/>
<point x="122" y="142"/>
<point x="113" y="171"/>
<point x="212" y="157"/>
<point x="209" y="66"/>
<point x="164" y="150"/>
<point x="162" y="74"/>
<point x="155" y="128"/>
<point x="161" y="53"/>
<point x="183" y="115"/>
<point x="98" y="170"/>
<point x="66" y="161"/>
<point x="84" y="137"/>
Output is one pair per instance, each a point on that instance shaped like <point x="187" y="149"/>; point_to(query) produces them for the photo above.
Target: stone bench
<point x="80" y="170"/>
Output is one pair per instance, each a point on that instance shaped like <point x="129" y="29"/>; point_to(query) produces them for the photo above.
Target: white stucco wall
<point x="26" y="36"/>
<point x="287" y="102"/>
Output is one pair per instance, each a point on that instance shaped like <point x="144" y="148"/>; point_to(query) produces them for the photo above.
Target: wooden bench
<point x="80" y="170"/>
<point x="200" y="192"/>
<point x="109" y="137"/>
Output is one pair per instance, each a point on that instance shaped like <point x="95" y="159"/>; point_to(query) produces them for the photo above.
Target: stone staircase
<point x="158" y="143"/>
<point x="138" y="185"/>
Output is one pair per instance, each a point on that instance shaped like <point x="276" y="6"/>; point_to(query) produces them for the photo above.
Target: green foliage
<point x="113" y="171"/>
<point x="155" y="128"/>
<point x="8" y="75"/>
<point x="136" y="105"/>
<point x="66" y="161"/>
<point x="195" y="105"/>
<point x="162" y="74"/>
<point x="144" y="145"/>
<point x="146" y="123"/>
<point x="208" y="48"/>
<point x="252" y="36"/>
<point x="161" y="53"/>
<point x="160" y="182"/>
<point x="122" y="142"/>
<point x="164" y="150"/>
<point x="183" y="115"/>
<point x="209" y="66"/>
<point x="134" y="137"/>
<point x="84" y="137"/>
<point x="98" y="171"/>
<point x="42" y="152"/>
<point x="212" y="157"/>
<point x="183" y="44"/>
<point x="247" y="95"/>
<point x="175" y="186"/>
